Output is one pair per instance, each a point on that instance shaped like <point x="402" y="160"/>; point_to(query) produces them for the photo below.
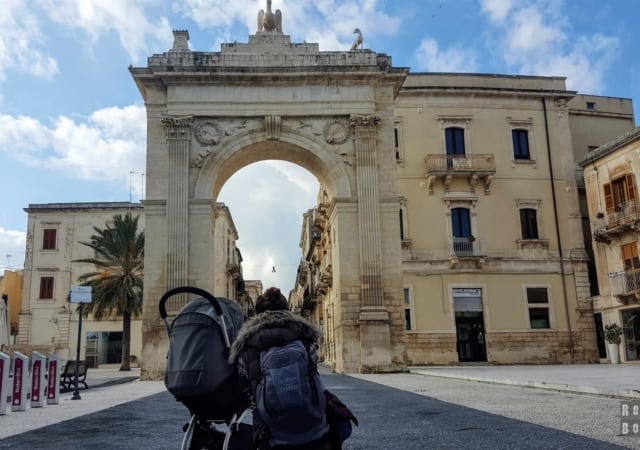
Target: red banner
<point x="18" y="369"/>
<point x="35" y="380"/>
<point x="53" y="376"/>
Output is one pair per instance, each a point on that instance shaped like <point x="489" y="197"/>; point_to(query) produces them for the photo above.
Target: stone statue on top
<point x="269" y="21"/>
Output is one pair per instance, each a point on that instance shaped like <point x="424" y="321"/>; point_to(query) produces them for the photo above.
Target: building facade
<point x="48" y="322"/>
<point x="495" y="264"/>
<point x="611" y="181"/>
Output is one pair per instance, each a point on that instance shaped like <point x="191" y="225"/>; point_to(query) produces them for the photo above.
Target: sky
<point x="73" y="124"/>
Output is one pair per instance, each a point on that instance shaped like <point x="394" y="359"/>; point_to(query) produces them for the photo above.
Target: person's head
<point x="271" y="300"/>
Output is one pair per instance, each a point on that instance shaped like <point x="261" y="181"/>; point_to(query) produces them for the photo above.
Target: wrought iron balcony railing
<point x="460" y="163"/>
<point x="616" y="222"/>
<point x="625" y="285"/>
<point x="474" y="167"/>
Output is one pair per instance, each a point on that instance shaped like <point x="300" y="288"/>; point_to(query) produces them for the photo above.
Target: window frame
<point x="398" y="140"/>
<point x="529" y="228"/>
<point x="535" y="304"/>
<point x="523" y="125"/>
<point x="47" y="286"/>
<point x="49" y="242"/>
<point x="519" y="152"/>
<point x="408" y="306"/>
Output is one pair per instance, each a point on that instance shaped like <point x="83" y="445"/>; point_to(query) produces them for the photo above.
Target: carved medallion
<point x="336" y="132"/>
<point x="208" y="133"/>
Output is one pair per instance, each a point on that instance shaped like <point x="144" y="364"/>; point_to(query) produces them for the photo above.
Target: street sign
<point x="80" y="294"/>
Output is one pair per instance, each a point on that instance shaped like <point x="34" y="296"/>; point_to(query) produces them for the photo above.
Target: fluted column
<point x="365" y="131"/>
<point x="178" y="142"/>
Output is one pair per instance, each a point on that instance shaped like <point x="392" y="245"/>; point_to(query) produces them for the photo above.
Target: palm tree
<point x="117" y="282"/>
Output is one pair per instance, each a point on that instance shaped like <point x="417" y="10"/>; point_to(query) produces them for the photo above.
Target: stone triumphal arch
<point x="211" y="113"/>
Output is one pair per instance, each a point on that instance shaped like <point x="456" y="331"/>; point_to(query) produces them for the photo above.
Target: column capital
<point x="364" y="126"/>
<point x="177" y="127"/>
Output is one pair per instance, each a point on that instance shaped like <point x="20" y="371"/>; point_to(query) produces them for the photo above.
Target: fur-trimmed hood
<point x="269" y="322"/>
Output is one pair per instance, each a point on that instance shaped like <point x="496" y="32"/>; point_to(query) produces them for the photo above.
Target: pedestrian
<point x="277" y="360"/>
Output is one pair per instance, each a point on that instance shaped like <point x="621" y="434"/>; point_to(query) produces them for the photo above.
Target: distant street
<point x="440" y="414"/>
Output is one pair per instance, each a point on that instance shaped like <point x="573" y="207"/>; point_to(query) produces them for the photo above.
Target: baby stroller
<point x="199" y="375"/>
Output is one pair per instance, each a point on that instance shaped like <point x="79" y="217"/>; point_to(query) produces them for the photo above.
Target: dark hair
<point x="271" y="300"/>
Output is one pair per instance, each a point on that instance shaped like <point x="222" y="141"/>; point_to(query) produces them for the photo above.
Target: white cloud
<point x="496" y="9"/>
<point x="106" y="147"/>
<point x="329" y="23"/>
<point x="12" y="248"/>
<point x="267" y="201"/>
<point x="456" y="59"/>
<point x="19" y="42"/>
<point x="534" y="38"/>
<point x="126" y="17"/>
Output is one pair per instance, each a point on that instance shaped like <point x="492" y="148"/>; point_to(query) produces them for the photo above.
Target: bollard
<point x="53" y="379"/>
<point x="21" y="394"/>
<point x="5" y="385"/>
<point x="38" y="380"/>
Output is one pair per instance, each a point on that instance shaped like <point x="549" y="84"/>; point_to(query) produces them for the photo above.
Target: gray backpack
<point x="290" y="396"/>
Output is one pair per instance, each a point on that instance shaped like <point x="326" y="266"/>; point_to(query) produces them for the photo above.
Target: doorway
<point x="602" y="351"/>
<point x="470" y="334"/>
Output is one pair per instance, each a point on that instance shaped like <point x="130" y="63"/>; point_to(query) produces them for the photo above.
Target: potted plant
<point x="613" y="334"/>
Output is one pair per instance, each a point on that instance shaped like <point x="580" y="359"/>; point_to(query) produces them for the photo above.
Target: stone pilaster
<point x="365" y="130"/>
<point x="178" y="144"/>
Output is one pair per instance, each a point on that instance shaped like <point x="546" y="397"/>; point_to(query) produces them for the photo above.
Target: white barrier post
<point x="53" y="379"/>
<point x="38" y="380"/>
<point x="5" y="386"/>
<point x="20" y="400"/>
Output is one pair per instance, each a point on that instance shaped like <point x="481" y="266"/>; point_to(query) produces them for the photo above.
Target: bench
<point x="68" y="375"/>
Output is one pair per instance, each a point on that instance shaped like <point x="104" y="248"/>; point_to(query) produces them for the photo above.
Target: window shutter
<point x="630" y="194"/>
<point x="608" y="198"/>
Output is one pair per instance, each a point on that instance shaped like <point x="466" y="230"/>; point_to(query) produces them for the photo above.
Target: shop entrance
<point x="471" y="343"/>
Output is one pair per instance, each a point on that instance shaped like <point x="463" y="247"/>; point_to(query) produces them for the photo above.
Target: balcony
<point x="626" y="285"/>
<point x="473" y="167"/>
<point x="624" y="219"/>
<point x="465" y="253"/>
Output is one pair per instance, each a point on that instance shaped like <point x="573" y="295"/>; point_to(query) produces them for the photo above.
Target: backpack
<point x="290" y="397"/>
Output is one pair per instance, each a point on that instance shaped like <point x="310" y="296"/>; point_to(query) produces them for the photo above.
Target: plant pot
<point x="613" y="353"/>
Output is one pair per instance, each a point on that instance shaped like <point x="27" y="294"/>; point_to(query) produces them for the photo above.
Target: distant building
<point x="611" y="174"/>
<point x="48" y="322"/>
<point x="11" y="285"/>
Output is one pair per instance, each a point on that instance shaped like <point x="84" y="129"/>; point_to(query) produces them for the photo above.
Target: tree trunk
<point x="126" y="342"/>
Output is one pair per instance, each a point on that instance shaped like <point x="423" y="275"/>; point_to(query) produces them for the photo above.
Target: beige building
<point x="611" y="181"/>
<point x="494" y="266"/>
<point x="48" y="322"/>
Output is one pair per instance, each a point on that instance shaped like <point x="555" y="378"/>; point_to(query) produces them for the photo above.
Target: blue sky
<point x="72" y="123"/>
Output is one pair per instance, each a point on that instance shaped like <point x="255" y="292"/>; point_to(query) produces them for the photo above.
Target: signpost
<point x="82" y="295"/>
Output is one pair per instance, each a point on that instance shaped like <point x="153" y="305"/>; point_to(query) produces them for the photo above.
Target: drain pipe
<point x="557" y="223"/>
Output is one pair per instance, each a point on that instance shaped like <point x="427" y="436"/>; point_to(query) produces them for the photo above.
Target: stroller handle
<point x="188" y="290"/>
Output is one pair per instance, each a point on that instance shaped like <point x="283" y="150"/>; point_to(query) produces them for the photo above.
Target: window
<point x="538" y="302"/>
<point x="397" y="139"/>
<point x="461" y="228"/>
<point x="49" y="239"/>
<point x="407" y="309"/>
<point x="520" y="139"/>
<point x="401" y="225"/>
<point x="529" y="223"/>
<point x="591" y="105"/>
<point x="46" y="288"/>
<point x="619" y="193"/>
<point x="454" y="141"/>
